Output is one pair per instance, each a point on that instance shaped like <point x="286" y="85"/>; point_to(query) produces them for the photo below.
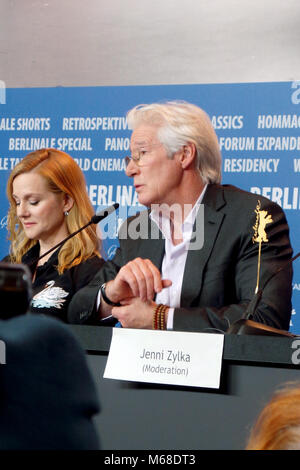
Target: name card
<point x="165" y="357"/>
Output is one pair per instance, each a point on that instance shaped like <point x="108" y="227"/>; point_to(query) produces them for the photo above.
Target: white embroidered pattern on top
<point x="50" y="297"/>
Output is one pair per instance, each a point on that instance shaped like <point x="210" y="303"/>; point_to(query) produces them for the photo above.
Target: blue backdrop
<point x="257" y="125"/>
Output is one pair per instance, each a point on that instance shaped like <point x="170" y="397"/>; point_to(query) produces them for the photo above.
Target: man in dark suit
<point x="47" y="396"/>
<point x="191" y="262"/>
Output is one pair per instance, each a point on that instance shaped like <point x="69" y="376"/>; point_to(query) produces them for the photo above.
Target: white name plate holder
<point x="165" y="357"/>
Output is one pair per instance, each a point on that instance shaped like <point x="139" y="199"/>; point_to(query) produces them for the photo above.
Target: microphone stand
<point x="246" y="326"/>
<point x="250" y="327"/>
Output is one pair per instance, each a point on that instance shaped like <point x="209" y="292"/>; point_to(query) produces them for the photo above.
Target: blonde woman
<point x="48" y="201"/>
<point x="278" y="424"/>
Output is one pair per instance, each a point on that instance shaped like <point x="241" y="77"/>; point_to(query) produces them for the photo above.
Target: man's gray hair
<point x="179" y="123"/>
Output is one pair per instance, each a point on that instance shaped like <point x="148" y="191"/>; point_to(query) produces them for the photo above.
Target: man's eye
<point x="34" y="203"/>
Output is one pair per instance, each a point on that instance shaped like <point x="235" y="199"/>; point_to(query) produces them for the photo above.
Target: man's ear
<point x="189" y="155"/>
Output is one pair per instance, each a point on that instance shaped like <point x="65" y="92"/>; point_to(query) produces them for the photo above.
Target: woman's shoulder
<point x="85" y="271"/>
<point x="95" y="261"/>
<point x="92" y="263"/>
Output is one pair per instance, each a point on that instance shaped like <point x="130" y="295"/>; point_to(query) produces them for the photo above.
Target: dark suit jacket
<point x="47" y="395"/>
<point x="220" y="278"/>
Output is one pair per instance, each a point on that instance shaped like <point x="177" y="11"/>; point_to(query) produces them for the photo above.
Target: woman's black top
<point x="52" y="292"/>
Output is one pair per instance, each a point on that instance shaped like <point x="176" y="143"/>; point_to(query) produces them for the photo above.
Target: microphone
<point x="94" y="220"/>
<point x="249" y="327"/>
<point x="104" y="213"/>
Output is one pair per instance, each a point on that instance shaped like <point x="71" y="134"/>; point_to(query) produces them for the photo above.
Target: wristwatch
<point x="106" y="299"/>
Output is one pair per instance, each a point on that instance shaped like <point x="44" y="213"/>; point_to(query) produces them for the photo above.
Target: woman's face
<point x="40" y="211"/>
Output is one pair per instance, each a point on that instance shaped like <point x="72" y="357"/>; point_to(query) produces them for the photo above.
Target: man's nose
<point x="132" y="168"/>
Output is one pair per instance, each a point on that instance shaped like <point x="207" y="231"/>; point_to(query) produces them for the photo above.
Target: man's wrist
<point x="160" y="317"/>
<point x="106" y="297"/>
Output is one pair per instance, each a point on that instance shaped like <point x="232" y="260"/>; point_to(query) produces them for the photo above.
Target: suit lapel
<point x="154" y="246"/>
<point x="196" y="259"/>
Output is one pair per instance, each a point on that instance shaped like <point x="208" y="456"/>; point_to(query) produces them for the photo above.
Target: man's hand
<point x="138" y="278"/>
<point x="134" y="313"/>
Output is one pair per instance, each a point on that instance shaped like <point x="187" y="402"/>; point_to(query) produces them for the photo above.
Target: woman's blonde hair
<point x="62" y="175"/>
<point x="278" y="425"/>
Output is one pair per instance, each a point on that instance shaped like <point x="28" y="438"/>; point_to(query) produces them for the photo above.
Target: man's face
<point x="156" y="177"/>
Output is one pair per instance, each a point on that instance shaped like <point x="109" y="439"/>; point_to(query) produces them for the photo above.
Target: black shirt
<point x="52" y="292"/>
